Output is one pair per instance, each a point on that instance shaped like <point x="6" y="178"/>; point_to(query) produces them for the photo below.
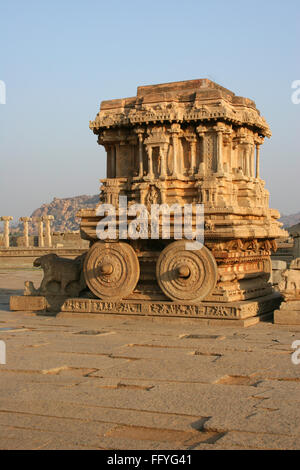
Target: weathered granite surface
<point x="77" y="381"/>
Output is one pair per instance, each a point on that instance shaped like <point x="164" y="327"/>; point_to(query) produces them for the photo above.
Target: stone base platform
<point x="288" y="314"/>
<point x="243" y="313"/>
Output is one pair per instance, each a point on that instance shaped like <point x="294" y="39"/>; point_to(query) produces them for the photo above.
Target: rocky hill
<point x="63" y="211"/>
<point x="290" y="220"/>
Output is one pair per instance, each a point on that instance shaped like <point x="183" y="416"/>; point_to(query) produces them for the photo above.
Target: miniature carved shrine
<point x="191" y="142"/>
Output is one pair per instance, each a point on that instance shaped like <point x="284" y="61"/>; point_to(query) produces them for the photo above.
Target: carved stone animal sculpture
<point x="60" y="270"/>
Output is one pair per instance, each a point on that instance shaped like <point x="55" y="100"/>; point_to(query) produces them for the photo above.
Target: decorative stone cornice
<point x="189" y="104"/>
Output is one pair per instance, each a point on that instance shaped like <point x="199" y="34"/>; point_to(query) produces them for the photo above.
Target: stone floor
<point x="102" y="382"/>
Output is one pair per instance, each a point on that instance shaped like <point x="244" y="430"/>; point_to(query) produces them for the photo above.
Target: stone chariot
<point x="183" y="143"/>
<point x="192" y="142"/>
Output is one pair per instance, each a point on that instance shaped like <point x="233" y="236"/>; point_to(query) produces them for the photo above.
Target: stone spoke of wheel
<point x="111" y="270"/>
<point x="186" y="275"/>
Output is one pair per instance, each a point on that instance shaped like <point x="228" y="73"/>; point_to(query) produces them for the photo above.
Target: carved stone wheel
<point x="111" y="270"/>
<point x="186" y="275"/>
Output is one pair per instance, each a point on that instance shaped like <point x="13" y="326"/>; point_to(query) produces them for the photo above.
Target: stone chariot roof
<point x="186" y="101"/>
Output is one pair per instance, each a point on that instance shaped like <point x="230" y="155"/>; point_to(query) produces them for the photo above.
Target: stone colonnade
<point x="42" y="241"/>
<point x="249" y="149"/>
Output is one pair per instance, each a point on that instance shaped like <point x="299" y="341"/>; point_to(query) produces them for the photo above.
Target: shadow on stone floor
<point x="5" y="295"/>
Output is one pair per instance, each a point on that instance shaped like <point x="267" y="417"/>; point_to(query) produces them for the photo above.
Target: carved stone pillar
<point x="141" y="168"/>
<point x="163" y="161"/>
<point x="47" y="219"/>
<point x="6" y="220"/>
<point x="227" y="145"/>
<point x="202" y="164"/>
<point x="163" y="195"/>
<point x="108" y="160"/>
<point x="257" y="173"/>
<point x="117" y="158"/>
<point x="175" y="131"/>
<point x="113" y="161"/>
<point x="252" y="161"/>
<point x="247" y="160"/>
<point x="193" y="143"/>
<point x="258" y="141"/>
<point x="150" y="163"/>
<point x="219" y="150"/>
<point x="40" y="231"/>
<point x="25" y="221"/>
<point x="139" y="133"/>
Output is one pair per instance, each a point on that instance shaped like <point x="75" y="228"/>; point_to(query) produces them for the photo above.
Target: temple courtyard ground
<point x="100" y="382"/>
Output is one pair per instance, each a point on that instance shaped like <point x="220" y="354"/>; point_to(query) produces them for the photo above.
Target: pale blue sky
<point x="60" y="59"/>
